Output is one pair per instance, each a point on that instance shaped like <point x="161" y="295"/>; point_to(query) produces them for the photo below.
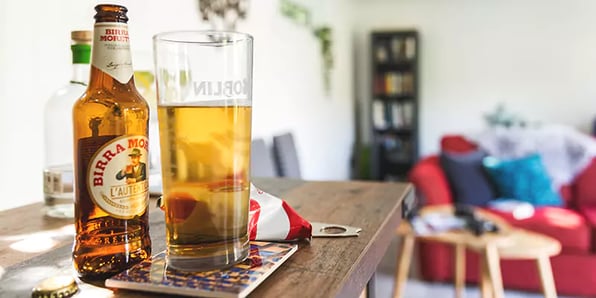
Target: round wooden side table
<point x="521" y="245"/>
<point x="509" y="243"/>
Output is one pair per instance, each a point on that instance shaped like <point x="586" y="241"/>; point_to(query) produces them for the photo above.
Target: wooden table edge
<point x="386" y="233"/>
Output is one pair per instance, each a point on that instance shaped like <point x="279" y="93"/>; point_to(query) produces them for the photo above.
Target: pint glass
<point x="204" y="91"/>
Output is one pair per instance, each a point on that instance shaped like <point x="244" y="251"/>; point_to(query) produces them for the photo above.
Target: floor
<point x="419" y="289"/>
<point x="416" y="288"/>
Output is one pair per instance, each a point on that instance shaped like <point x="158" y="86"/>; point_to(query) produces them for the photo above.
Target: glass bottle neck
<point x="101" y="80"/>
<point x="80" y="73"/>
<point x="111" y="64"/>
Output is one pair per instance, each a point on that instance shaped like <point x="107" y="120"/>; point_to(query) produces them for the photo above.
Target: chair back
<point x="261" y="161"/>
<point x="286" y="156"/>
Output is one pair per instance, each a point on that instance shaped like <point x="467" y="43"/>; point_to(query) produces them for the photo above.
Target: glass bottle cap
<point x="55" y="287"/>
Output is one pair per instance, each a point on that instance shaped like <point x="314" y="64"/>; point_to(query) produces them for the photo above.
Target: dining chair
<point x="261" y="164"/>
<point x="286" y="156"/>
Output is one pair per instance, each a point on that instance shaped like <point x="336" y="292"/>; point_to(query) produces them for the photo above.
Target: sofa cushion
<point x="585" y="186"/>
<point x="566" y="192"/>
<point x="589" y="213"/>
<point x="523" y="179"/>
<point x="565" y="225"/>
<point x="457" y="144"/>
<point x="430" y="181"/>
<point x="467" y="178"/>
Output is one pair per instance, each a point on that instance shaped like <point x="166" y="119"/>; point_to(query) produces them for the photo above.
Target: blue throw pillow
<point x="467" y="178"/>
<point x="523" y="179"/>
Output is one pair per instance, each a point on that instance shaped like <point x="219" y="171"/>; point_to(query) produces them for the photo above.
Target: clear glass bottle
<point x="58" y="165"/>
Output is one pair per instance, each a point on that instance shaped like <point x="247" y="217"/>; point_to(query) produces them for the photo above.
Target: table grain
<point x="324" y="267"/>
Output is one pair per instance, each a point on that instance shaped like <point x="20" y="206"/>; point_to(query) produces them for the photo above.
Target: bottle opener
<point x="320" y="229"/>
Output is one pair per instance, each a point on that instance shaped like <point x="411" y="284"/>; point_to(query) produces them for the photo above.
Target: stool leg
<point x="485" y="283"/>
<point x="491" y="260"/>
<point x="546" y="277"/>
<point x="460" y="269"/>
<point x="403" y="265"/>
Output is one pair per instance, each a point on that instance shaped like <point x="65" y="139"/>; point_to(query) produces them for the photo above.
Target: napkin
<point x="270" y="218"/>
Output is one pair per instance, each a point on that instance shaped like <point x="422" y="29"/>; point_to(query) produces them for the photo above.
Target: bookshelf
<point x="394" y="103"/>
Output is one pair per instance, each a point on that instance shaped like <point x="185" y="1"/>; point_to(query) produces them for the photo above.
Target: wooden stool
<point x="521" y="245"/>
<point x="509" y="243"/>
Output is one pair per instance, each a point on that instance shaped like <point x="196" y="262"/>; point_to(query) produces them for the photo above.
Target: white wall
<point x="288" y="91"/>
<point x="536" y="56"/>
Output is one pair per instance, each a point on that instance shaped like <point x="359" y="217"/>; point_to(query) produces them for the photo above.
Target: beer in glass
<point x="204" y="83"/>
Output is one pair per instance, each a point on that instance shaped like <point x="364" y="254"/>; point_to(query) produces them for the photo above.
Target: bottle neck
<point x="81" y="53"/>
<point x="111" y="64"/>
<point x="80" y="74"/>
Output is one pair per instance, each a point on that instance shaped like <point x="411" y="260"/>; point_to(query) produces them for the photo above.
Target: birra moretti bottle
<point x="111" y="153"/>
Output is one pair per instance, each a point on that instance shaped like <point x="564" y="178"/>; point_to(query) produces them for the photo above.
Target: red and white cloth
<point x="273" y="219"/>
<point x="270" y="218"/>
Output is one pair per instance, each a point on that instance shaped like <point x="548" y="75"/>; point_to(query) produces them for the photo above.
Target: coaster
<point x="152" y="275"/>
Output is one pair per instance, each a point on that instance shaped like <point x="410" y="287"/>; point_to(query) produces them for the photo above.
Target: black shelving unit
<point x="394" y="104"/>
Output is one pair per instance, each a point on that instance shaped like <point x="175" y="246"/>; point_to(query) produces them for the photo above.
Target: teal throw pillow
<point x="523" y="179"/>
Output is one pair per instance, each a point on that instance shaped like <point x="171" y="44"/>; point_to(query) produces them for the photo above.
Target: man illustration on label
<point x="136" y="171"/>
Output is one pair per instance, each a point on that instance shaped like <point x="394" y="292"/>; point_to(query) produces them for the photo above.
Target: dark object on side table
<point x="476" y="225"/>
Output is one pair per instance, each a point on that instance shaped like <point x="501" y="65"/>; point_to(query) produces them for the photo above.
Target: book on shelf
<point x="392" y="114"/>
<point x="378" y="114"/>
<point x="388" y="114"/>
<point x="388" y="84"/>
<point x="410" y="48"/>
<point x="393" y="84"/>
<point x="396" y="113"/>
<point x="402" y="114"/>
<point x="398" y="83"/>
<point x="408" y="83"/>
<point x="397" y="49"/>
<point x="379" y="84"/>
<point x="407" y="109"/>
<point x="381" y="55"/>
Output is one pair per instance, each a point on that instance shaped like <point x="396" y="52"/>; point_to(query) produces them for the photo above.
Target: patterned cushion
<point x="523" y="179"/>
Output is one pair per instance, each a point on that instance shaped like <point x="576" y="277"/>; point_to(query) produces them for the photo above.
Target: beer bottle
<point x="111" y="147"/>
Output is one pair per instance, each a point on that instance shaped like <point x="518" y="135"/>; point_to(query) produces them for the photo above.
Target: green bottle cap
<point x="81" y="46"/>
<point x="81" y="53"/>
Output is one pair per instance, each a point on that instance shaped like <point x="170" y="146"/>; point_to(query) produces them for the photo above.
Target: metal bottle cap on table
<point x="55" y="287"/>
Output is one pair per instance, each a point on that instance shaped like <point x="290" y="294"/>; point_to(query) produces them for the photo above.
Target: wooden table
<point x="34" y="247"/>
<point x="509" y="243"/>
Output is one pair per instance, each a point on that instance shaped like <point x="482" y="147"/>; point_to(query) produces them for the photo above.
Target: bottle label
<point x="52" y="183"/>
<point x="117" y="177"/>
<point x="111" y="50"/>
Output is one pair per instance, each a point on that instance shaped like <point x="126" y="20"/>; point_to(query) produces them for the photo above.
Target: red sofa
<point x="574" y="226"/>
